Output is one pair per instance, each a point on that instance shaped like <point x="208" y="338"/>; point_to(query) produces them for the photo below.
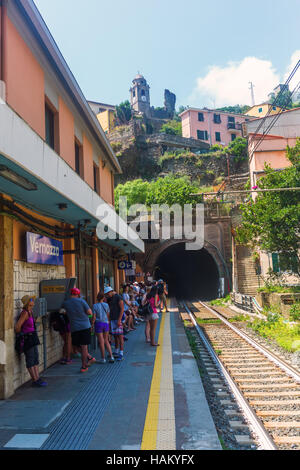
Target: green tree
<point x="237" y="109"/>
<point x="136" y="192"/>
<point x="180" y="110"/>
<point x="172" y="127"/>
<point x="238" y="147"/>
<point x="272" y="221"/>
<point x="284" y="101"/>
<point x="123" y="112"/>
<point x="171" y="190"/>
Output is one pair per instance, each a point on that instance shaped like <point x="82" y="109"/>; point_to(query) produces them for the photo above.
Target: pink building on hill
<point x="214" y="127"/>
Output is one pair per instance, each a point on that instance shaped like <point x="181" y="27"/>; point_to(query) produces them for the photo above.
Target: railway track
<point x="266" y="388"/>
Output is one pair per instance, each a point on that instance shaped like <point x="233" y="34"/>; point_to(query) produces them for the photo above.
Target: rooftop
<point x="211" y="111"/>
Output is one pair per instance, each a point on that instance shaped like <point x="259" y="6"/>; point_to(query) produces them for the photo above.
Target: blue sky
<point x="199" y="49"/>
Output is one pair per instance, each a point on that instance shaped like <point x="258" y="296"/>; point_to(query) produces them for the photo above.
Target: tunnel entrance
<point x="190" y="275"/>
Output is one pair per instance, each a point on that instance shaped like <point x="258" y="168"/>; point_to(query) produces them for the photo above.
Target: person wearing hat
<point x="116" y="306"/>
<point x="26" y="326"/>
<point x="78" y="311"/>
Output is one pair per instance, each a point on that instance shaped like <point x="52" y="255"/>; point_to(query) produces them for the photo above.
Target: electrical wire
<point x="270" y="126"/>
<point x="280" y="94"/>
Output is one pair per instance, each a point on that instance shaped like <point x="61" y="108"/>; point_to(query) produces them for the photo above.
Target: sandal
<point x="91" y="361"/>
<point x="84" y="369"/>
<point x="154" y="345"/>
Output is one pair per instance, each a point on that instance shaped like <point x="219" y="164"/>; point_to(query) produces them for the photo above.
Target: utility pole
<point x="252" y="93"/>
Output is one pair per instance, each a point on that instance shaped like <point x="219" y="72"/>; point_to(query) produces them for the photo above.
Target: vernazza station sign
<point x="43" y="250"/>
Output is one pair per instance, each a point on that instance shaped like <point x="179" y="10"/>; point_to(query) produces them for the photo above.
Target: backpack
<point x="19" y="343"/>
<point x="146" y="310"/>
<point x="59" y="322"/>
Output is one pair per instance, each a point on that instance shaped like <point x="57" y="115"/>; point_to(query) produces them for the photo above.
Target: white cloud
<point x="296" y="78"/>
<point x="229" y="85"/>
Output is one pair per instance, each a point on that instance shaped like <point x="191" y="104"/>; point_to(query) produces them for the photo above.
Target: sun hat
<point x="28" y="298"/>
<point x="75" y="291"/>
<point x="107" y="290"/>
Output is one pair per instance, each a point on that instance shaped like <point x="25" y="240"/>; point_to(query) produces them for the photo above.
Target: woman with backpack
<point x="26" y="326"/>
<point x="151" y="297"/>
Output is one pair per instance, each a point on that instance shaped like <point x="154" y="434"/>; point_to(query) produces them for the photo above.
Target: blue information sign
<point x="125" y="265"/>
<point x="43" y="250"/>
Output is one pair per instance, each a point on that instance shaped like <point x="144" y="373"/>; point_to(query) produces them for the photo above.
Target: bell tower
<point x="140" y="95"/>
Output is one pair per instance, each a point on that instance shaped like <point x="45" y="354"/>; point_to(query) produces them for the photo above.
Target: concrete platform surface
<point x="154" y="400"/>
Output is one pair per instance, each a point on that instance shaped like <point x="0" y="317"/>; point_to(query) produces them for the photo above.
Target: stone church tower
<point x="140" y="95"/>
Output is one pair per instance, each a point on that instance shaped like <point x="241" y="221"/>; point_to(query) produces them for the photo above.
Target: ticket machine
<point x="56" y="291"/>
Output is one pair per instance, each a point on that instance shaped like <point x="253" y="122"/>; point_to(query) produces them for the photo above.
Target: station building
<point x="56" y="170"/>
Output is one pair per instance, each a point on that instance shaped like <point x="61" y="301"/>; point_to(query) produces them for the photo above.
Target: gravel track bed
<point x="221" y="420"/>
<point x="220" y="337"/>
<point x="291" y="358"/>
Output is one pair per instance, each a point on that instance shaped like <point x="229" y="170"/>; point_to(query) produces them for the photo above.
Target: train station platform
<point x="152" y="400"/>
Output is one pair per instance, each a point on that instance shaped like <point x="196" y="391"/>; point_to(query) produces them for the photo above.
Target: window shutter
<point x="275" y="262"/>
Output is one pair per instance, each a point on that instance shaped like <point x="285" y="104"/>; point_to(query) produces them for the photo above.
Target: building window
<point x="218" y="136"/>
<point x="49" y="126"/>
<point x="134" y="93"/>
<point x="233" y="137"/>
<point x="274" y="108"/>
<point x="282" y="264"/>
<point x="96" y="179"/>
<point x="260" y="110"/>
<point x="231" y="119"/>
<point x="202" y="135"/>
<point x="200" y="117"/>
<point x="143" y="93"/>
<point x="217" y="118"/>
<point x="78" y="159"/>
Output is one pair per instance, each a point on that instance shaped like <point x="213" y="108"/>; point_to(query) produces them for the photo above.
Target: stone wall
<point x="26" y="282"/>
<point x="144" y="156"/>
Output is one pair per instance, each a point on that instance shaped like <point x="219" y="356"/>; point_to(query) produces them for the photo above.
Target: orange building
<point x="56" y="180"/>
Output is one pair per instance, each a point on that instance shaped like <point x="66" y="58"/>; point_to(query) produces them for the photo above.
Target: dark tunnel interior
<point x="190" y="275"/>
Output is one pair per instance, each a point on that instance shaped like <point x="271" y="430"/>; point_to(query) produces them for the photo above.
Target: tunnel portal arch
<point x="189" y="274"/>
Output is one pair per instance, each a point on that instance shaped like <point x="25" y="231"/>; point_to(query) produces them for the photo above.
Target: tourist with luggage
<point x="28" y="341"/>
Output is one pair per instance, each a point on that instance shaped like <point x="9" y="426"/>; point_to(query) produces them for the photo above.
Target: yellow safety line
<point x="151" y="421"/>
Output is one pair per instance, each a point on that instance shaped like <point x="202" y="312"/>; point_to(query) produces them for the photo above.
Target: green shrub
<point x="295" y="312"/>
<point x="279" y="330"/>
<point x="221" y="302"/>
<point x="172" y="127"/>
<point x="273" y="288"/>
<point x="116" y="146"/>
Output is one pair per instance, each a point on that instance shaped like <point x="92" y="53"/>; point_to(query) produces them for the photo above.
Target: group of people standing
<point x="111" y="318"/>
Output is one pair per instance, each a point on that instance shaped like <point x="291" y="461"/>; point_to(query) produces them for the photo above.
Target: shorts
<point x="115" y="329"/>
<point x="32" y="357"/>
<point x="81" y="338"/>
<point x="154" y="316"/>
<point x="101" y="327"/>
